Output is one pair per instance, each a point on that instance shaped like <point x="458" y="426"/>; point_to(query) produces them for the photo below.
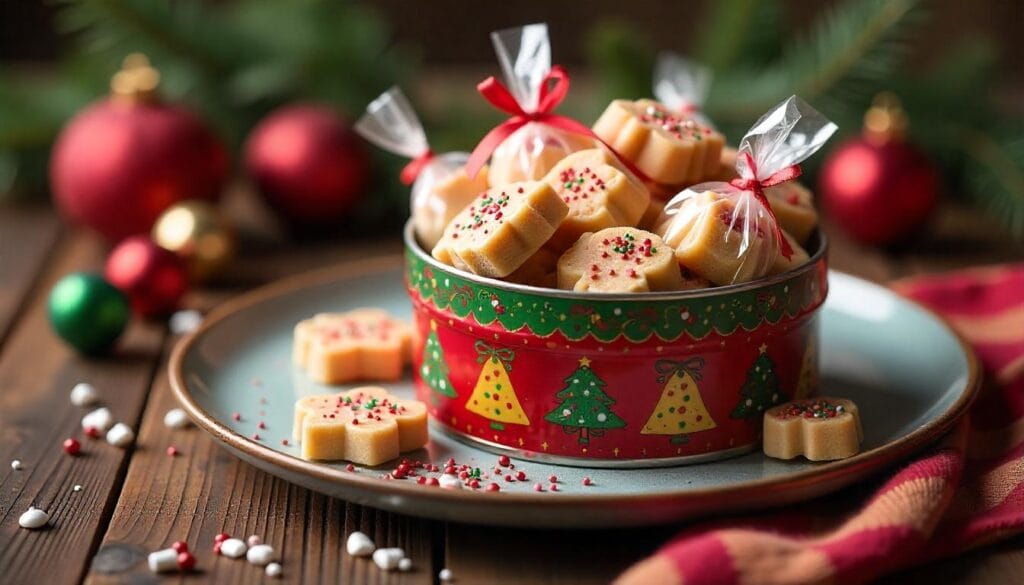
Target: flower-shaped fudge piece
<point x="793" y="206"/>
<point x="365" y="344"/>
<point x="365" y="425"/>
<point x="501" y="228"/>
<point x="820" y="429"/>
<point x="669" y="147"/>
<point x="599" y="193"/>
<point x="619" y="259"/>
<point x="712" y="238"/>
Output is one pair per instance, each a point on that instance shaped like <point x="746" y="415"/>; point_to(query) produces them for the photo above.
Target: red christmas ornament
<point x="878" y="188"/>
<point x="152" y="278"/>
<point x="122" y="161"/>
<point x="307" y="163"/>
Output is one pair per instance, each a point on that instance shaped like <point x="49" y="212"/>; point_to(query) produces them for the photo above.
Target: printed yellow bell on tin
<point x="197" y="233"/>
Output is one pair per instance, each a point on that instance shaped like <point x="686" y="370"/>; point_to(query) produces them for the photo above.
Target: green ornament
<point x="87" y="312"/>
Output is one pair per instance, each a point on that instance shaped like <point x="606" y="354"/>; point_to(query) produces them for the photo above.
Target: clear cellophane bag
<point x="391" y="123"/>
<point x="727" y="229"/>
<point x="524" y="55"/>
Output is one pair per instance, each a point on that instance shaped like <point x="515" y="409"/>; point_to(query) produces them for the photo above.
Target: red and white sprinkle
<point x="120" y="435"/>
<point x="33" y="518"/>
<point x="84" y="394"/>
<point x="176" y="418"/>
<point x="72" y="447"/>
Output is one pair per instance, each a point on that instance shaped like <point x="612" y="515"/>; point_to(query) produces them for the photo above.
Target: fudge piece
<point x="793" y="206"/>
<point x="501" y="228"/>
<point x="716" y="240"/>
<point x="599" y="193"/>
<point x="365" y="344"/>
<point x="365" y="425"/>
<point x="820" y="429"/>
<point x="619" y="259"/>
<point x="650" y="217"/>
<point x="435" y="202"/>
<point x="541" y="269"/>
<point x="669" y="147"/>
<point x="798" y="258"/>
<point x="531" y="152"/>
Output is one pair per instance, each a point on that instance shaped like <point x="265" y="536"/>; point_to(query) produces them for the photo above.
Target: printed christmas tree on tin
<point x="493" y="396"/>
<point x="761" y="389"/>
<point x="434" y="370"/>
<point x="585" y="408"/>
<point x="680" y="410"/>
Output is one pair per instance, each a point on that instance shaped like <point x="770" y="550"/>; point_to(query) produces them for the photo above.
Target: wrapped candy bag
<point x="727" y="232"/>
<point x="527" y="145"/>
<point x="682" y="85"/>
<point x="440" y="186"/>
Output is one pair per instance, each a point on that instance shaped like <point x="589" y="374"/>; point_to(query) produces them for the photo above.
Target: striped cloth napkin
<point x="964" y="493"/>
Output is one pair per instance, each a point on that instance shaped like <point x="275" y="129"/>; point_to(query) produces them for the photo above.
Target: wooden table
<point x="138" y="500"/>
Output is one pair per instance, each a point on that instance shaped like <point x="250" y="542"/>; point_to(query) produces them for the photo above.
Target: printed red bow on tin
<point x="552" y="91"/>
<point x="668" y="368"/>
<point x="756" y="186"/>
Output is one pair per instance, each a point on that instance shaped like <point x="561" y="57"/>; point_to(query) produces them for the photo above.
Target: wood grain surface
<point x="137" y="500"/>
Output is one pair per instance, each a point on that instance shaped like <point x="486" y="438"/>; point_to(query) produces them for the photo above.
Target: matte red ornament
<point x="307" y="163"/>
<point x="153" y="279"/>
<point x="878" y="188"/>
<point x="122" y="161"/>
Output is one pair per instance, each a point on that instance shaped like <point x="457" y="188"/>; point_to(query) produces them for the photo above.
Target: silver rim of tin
<point x="411" y="244"/>
<point x="525" y="455"/>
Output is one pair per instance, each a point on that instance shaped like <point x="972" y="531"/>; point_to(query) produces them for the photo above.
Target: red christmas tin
<point x="611" y="380"/>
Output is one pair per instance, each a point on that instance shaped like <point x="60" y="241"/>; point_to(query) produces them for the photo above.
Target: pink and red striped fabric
<point x="965" y="493"/>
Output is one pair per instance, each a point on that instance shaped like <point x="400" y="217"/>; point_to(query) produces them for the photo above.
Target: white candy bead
<point x="449" y="481"/>
<point x="388" y="558"/>
<point x="77" y="488"/>
<point x="163" y="561"/>
<point x="183" y="322"/>
<point x="359" y="545"/>
<point x="261" y="554"/>
<point x="176" y="418"/>
<point x="233" y="548"/>
<point x="253" y="540"/>
<point x="273" y="570"/>
<point x="84" y="394"/>
<point x="16" y="465"/>
<point x="446" y="576"/>
<point x="405" y="565"/>
<point x="33" y="518"/>
<point x="120" y="435"/>
<point x="100" y="419"/>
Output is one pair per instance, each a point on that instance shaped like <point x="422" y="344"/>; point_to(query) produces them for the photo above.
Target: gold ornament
<point x="136" y="81"/>
<point x="197" y="233"/>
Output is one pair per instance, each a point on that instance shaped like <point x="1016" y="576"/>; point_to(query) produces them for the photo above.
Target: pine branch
<point x="738" y="32"/>
<point x="996" y="178"/>
<point x="850" y="54"/>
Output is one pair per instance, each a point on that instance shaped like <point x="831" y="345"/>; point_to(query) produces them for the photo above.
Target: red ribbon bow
<point x="415" y="167"/>
<point x="756" y="187"/>
<point x="551" y="94"/>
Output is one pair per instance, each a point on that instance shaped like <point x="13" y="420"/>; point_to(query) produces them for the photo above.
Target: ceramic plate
<point x="910" y="374"/>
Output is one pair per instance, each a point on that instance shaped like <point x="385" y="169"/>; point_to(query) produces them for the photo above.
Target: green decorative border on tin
<point x="606" y="320"/>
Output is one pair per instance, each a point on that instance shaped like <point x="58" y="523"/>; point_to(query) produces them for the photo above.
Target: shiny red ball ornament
<point x="878" y="188"/>
<point x="153" y="279"/>
<point x="308" y="164"/>
<point x="122" y="161"/>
